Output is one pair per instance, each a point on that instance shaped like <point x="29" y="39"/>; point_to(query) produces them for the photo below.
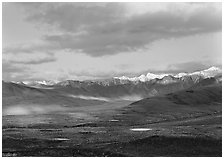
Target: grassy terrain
<point x="170" y="146"/>
<point x="151" y="146"/>
<point x="187" y="123"/>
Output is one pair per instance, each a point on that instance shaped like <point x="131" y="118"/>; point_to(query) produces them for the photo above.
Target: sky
<point x="82" y="41"/>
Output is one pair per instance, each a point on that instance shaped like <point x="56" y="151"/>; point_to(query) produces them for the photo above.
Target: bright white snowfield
<point x="210" y="72"/>
<point x="205" y="73"/>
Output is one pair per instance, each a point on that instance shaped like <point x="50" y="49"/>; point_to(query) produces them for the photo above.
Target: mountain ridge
<point x="116" y="89"/>
<point x="210" y="72"/>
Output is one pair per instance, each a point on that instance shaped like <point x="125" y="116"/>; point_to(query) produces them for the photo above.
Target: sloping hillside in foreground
<point x="23" y="98"/>
<point x="203" y="99"/>
<point x="184" y="123"/>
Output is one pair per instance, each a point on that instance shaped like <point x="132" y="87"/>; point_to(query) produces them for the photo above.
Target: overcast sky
<point x="59" y="41"/>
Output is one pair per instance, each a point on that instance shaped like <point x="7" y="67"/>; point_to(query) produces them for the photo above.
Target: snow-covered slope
<point x="44" y="82"/>
<point x="143" y="78"/>
<point x="37" y="84"/>
<point x="142" y="86"/>
<point x="160" y="78"/>
<point x="210" y="72"/>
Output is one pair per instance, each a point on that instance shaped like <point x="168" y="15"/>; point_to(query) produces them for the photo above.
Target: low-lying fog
<point x="31" y="109"/>
<point x="27" y="109"/>
<point x="128" y="98"/>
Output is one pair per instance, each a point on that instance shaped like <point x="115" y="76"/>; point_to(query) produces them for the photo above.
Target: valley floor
<point x="112" y="129"/>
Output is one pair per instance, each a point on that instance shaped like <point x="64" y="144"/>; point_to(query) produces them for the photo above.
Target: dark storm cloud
<point x="103" y="29"/>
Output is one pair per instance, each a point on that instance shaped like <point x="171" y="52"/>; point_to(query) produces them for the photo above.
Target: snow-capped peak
<point x="210" y="72"/>
<point x="122" y="78"/>
<point x="213" y="68"/>
<point x="153" y="76"/>
<point x="179" y="75"/>
<point x="44" y="82"/>
<point x="143" y="78"/>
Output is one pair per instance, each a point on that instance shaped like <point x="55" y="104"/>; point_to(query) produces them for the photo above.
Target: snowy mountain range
<point x="120" y="87"/>
<point x="166" y="78"/>
<point x="38" y="84"/>
<point x="210" y="72"/>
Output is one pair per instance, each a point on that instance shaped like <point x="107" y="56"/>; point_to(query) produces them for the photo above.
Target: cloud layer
<point x="99" y="29"/>
<point x="75" y="37"/>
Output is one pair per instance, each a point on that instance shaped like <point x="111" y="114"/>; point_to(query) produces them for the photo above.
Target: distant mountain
<point x="211" y="72"/>
<point x="38" y="84"/>
<point x="209" y="81"/>
<point x="17" y="94"/>
<point x="131" y="88"/>
<point x="166" y="78"/>
<point x="12" y="89"/>
<point x="143" y="78"/>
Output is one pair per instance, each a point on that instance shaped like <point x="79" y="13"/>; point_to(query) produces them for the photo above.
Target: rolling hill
<point x="181" y="104"/>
